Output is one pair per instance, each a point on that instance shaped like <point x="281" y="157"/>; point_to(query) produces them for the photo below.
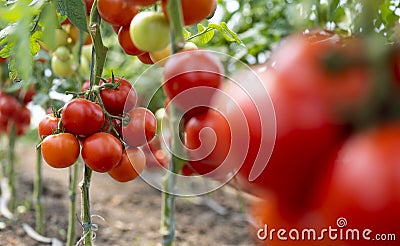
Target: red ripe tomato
<point x="2" y="60"/>
<point x="324" y="64"/>
<point x="125" y="41"/>
<point x="193" y="11"/>
<point x="121" y="99"/>
<point x="23" y="116"/>
<point x="141" y="127"/>
<point x="208" y="137"/>
<point x="269" y="218"/>
<point x="28" y="95"/>
<point x="307" y="136"/>
<point x="60" y="150"/>
<point x="364" y="186"/>
<point x="82" y="117"/>
<point x="130" y="166"/>
<point x="191" y="78"/>
<point x="117" y="12"/>
<point x="9" y="106"/>
<point x="116" y="28"/>
<point x="85" y="85"/>
<point x="101" y="152"/>
<point x="3" y="123"/>
<point x="145" y="58"/>
<point x="142" y="3"/>
<point x="48" y="125"/>
<point x="88" y="5"/>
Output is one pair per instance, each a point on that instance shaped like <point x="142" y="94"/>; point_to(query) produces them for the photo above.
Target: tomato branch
<point x="168" y="205"/>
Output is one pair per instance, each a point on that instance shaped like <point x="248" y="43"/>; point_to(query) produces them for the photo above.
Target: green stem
<point x="97" y="65"/>
<point x="37" y="193"/>
<point x="85" y="213"/>
<point x="169" y="181"/>
<point x="176" y="22"/>
<point x="73" y="183"/>
<point x="200" y="33"/>
<point x="99" y="49"/>
<point x="11" y="171"/>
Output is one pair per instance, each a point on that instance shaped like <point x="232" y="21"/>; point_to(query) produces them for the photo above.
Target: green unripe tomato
<point x="61" y="68"/>
<point x="62" y="53"/>
<point x="149" y="31"/>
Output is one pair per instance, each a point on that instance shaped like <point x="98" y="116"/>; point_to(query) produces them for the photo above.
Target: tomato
<point x="142" y="3"/>
<point x="27" y="96"/>
<point x="130" y="166"/>
<point x="60" y="150"/>
<point x="145" y="58"/>
<point x="149" y="31"/>
<point x="269" y="220"/>
<point x="160" y="57"/>
<point x="141" y="127"/>
<point x="208" y="145"/>
<point x="23" y="116"/>
<point x="125" y="41"/>
<point x="48" y="125"/>
<point x="364" y="185"/>
<point x="193" y="11"/>
<point x="82" y="117"/>
<point x="117" y="12"/>
<point x="324" y="64"/>
<point x="2" y="60"/>
<point x="194" y="75"/>
<point x="3" y="124"/>
<point x="61" y="68"/>
<point x="88" y="5"/>
<point x="101" y="152"/>
<point x="121" y="99"/>
<point x="9" y="106"/>
<point x="116" y="28"/>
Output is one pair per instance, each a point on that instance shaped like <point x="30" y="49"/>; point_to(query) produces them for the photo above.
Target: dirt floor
<point x="131" y="211"/>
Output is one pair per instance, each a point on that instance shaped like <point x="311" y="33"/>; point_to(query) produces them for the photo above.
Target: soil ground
<point x="131" y="211"/>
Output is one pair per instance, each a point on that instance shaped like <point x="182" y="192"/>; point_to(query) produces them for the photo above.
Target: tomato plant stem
<point x="11" y="171"/>
<point x="73" y="182"/>
<point x="168" y="197"/>
<point x="85" y="213"/>
<point x="37" y="193"/>
<point x="99" y="53"/>
<point x="99" y="49"/>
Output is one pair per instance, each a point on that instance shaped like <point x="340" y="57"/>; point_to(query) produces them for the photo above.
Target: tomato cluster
<point x="324" y="162"/>
<point x="14" y="112"/>
<point x="145" y="34"/>
<point x="62" y="62"/>
<point x="107" y="132"/>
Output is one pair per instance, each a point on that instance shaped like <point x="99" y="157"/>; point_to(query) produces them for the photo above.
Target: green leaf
<point x="206" y="36"/>
<point x="33" y="42"/>
<point x="228" y="31"/>
<point x="223" y="31"/>
<point x="75" y="11"/>
<point x="186" y="33"/>
<point x="49" y="20"/>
